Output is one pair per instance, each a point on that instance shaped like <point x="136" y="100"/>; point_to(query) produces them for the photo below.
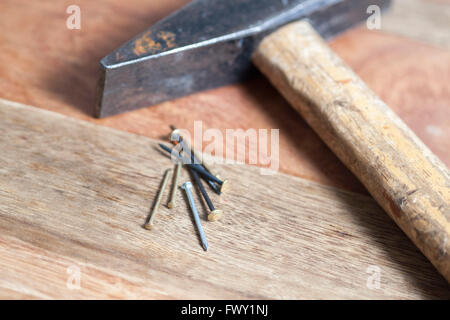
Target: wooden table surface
<point x="44" y="64"/>
<point x="72" y="210"/>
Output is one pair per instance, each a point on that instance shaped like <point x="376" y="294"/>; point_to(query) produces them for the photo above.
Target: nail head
<point x="215" y="215"/>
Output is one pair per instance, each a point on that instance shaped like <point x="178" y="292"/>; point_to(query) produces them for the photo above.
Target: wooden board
<point x="43" y="63"/>
<point x="66" y="205"/>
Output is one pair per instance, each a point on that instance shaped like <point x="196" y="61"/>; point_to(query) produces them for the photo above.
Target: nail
<point x="198" y="158"/>
<point x="196" y="167"/>
<point x="173" y="193"/>
<point x="169" y="150"/>
<point x="206" y="174"/>
<point x="148" y="225"/>
<point x="214" y="186"/>
<point x="214" y="214"/>
<point x="175" y="134"/>
<point x="189" y="151"/>
<point x="199" y="161"/>
<point x="187" y="188"/>
<point x="225" y="184"/>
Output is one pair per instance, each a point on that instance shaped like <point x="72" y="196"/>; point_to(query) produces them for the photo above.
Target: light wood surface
<point x="42" y="63"/>
<point x="399" y="171"/>
<point x="426" y="21"/>
<point x="68" y="206"/>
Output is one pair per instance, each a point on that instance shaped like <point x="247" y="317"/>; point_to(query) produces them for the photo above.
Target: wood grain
<point x="42" y="63"/>
<point x="398" y="170"/>
<point x="66" y="204"/>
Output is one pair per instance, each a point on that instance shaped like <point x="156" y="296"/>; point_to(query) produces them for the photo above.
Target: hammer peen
<point x="210" y="43"/>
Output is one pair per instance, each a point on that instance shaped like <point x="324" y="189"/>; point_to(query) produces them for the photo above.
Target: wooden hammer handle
<point x="399" y="171"/>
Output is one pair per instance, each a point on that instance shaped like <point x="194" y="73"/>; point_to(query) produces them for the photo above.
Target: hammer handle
<point x="398" y="170"/>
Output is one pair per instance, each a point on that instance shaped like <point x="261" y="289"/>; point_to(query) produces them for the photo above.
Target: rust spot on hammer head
<point x="214" y="42"/>
<point x="148" y="44"/>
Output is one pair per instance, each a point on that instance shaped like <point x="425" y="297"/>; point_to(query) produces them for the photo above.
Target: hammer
<point x="210" y="43"/>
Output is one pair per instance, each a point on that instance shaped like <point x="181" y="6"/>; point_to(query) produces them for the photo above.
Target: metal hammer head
<point x="207" y="44"/>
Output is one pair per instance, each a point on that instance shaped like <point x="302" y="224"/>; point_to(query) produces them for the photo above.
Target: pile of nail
<point x="184" y="155"/>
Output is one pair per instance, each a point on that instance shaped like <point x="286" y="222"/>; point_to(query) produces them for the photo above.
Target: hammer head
<point x="207" y="44"/>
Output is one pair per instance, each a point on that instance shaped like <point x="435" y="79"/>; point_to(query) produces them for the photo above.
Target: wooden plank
<point x="42" y="63"/>
<point x="75" y="195"/>
<point x="423" y="20"/>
